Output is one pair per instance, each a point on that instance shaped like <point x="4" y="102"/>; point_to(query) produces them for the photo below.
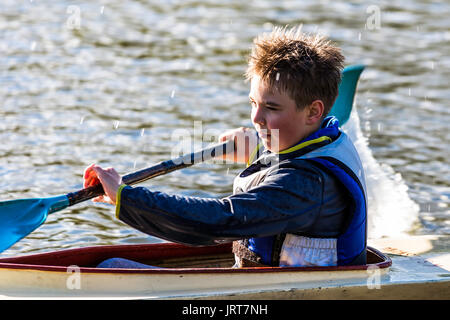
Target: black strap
<point x="276" y="248"/>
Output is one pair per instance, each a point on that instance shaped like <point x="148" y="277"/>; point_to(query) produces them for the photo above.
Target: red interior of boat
<point x="167" y="255"/>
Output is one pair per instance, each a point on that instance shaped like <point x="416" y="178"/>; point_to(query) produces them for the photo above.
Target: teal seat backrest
<point x="343" y="105"/>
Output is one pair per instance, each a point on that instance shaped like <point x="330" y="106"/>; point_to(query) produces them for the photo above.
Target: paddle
<point x="18" y="218"/>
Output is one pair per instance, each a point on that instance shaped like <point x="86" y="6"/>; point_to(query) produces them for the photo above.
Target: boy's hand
<point x="245" y="141"/>
<point x="109" y="178"/>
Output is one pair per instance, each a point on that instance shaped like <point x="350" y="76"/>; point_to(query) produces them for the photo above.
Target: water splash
<point x="391" y="212"/>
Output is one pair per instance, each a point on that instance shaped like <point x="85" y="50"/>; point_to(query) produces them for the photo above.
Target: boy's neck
<point x="313" y="129"/>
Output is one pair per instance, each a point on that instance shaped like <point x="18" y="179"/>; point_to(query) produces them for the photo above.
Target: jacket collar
<point x="327" y="133"/>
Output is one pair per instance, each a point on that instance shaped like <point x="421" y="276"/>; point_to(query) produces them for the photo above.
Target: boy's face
<point x="272" y="109"/>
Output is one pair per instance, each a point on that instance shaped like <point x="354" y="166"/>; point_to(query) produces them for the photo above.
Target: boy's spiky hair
<point x="306" y="67"/>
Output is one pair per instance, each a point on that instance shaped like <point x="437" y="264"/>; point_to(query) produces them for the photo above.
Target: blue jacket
<point x="298" y="195"/>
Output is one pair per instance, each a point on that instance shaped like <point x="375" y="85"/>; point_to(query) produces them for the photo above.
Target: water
<point x="111" y="81"/>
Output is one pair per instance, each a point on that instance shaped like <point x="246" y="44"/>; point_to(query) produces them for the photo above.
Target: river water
<point x="114" y="82"/>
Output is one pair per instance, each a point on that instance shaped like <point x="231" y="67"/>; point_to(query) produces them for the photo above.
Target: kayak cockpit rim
<point x="86" y="258"/>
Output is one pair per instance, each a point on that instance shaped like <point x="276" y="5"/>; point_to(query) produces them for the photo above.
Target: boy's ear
<point x="315" y="112"/>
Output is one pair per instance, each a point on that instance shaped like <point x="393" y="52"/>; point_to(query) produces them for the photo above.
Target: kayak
<point x="205" y="273"/>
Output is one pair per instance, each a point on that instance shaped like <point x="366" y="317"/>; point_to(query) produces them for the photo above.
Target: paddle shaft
<point x="156" y="170"/>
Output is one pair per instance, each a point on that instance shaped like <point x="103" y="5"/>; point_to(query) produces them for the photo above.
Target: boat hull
<point x="206" y="273"/>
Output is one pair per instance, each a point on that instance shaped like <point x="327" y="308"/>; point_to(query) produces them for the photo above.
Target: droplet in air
<point x="33" y="45"/>
<point x="380" y="127"/>
<point x="102" y="9"/>
<point x="142" y="132"/>
<point x="172" y="94"/>
<point x="277" y="76"/>
<point x="82" y="119"/>
<point x="116" y="124"/>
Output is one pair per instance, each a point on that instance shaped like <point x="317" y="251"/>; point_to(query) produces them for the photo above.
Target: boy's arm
<point x="268" y="209"/>
<point x="245" y="141"/>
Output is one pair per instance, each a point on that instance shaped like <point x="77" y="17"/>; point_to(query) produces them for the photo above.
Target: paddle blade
<point x="18" y="218"/>
<point x="343" y="105"/>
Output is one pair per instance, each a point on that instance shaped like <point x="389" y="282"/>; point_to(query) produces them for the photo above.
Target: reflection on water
<point x="110" y="81"/>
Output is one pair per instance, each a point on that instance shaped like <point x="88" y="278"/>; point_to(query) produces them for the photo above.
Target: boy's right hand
<point x="245" y="141"/>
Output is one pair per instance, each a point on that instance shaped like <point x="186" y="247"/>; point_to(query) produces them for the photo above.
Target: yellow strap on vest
<point x="252" y="156"/>
<point x="291" y="149"/>
<point x="305" y="144"/>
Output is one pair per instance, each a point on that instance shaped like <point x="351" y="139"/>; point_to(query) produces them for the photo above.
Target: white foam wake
<point x="391" y="212"/>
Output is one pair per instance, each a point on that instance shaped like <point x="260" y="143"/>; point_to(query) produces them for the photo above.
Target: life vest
<point x="341" y="159"/>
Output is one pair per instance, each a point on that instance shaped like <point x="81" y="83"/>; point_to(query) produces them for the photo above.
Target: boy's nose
<point x="258" y="116"/>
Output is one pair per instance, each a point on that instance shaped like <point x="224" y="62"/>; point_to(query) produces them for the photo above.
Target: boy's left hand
<point x="108" y="177"/>
<point x="245" y="141"/>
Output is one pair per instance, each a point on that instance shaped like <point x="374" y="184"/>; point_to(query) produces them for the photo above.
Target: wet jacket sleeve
<point x="289" y="199"/>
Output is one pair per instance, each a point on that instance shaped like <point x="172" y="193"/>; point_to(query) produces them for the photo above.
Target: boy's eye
<point x="268" y="107"/>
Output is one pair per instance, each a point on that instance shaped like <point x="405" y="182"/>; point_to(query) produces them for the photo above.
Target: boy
<point x="301" y="200"/>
